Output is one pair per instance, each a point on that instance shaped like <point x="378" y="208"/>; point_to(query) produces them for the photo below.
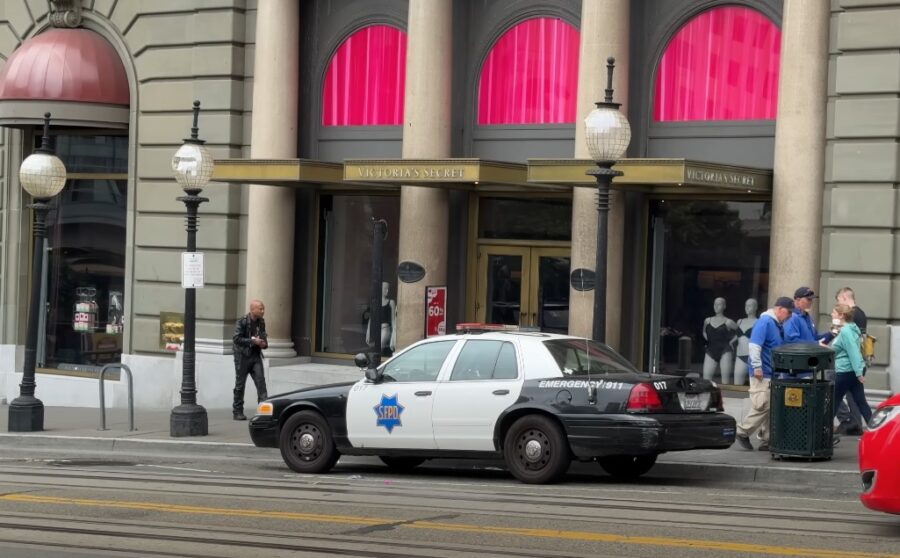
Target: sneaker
<point x="835" y="440"/>
<point x="744" y="441"/>
<point x="763" y="446"/>
<point x="239" y="416"/>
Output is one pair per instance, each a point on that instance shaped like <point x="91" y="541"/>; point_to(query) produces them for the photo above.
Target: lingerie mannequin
<point x="745" y="325"/>
<point x="388" y="320"/>
<point x="719" y="332"/>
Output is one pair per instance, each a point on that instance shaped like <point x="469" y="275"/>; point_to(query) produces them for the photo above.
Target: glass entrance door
<point x="524" y="286"/>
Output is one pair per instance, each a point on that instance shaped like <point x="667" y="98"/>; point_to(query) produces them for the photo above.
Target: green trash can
<point x="801" y="410"/>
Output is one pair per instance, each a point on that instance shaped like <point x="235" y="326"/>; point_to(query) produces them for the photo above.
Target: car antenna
<point x="592" y="389"/>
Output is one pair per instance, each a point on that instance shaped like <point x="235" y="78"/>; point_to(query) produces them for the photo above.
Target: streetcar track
<point x="826" y="528"/>
<point x="325" y="541"/>
<point x="337" y="485"/>
<point x="229" y="539"/>
<point x="582" y="507"/>
<point x="595" y="503"/>
<point x="70" y="546"/>
<point x="588" y="503"/>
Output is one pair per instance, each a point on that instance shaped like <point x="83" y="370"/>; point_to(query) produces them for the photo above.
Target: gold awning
<point x="471" y="174"/>
<point x="657" y="176"/>
<point x="296" y="173"/>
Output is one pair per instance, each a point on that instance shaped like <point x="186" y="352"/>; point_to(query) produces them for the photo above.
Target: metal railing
<point x="127" y="370"/>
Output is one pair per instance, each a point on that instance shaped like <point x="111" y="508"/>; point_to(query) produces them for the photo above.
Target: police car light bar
<point x="477" y="327"/>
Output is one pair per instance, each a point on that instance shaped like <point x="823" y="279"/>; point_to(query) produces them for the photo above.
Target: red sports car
<point x="879" y="459"/>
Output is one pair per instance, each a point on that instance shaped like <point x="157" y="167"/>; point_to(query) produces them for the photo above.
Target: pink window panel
<point x="531" y="75"/>
<point x="722" y="65"/>
<point x="365" y="81"/>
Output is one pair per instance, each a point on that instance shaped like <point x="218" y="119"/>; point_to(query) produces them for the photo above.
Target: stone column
<point x="426" y="134"/>
<point x="604" y="33"/>
<point x="799" y="170"/>
<point x="270" y="219"/>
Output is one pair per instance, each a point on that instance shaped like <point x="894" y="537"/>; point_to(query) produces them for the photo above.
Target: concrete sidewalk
<point x="71" y="428"/>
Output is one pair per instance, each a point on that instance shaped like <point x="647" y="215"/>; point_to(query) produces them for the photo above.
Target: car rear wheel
<point x="536" y="450"/>
<point x="306" y="443"/>
<point x="402" y="464"/>
<point x="627" y="466"/>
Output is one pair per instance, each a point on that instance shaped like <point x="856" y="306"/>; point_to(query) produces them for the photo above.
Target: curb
<point x="131" y="445"/>
<point x="778" y="473"/>
<point x="758" y="474"/>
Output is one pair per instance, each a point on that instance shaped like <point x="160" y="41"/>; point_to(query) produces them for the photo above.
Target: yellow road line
<point x="583" y="536"/>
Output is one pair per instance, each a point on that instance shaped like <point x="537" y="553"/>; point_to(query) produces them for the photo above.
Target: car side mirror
<point x="361" y="360"/>
<point x="372" y="374"/>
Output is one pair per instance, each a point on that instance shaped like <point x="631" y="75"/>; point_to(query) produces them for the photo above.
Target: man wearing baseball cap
<point x="767" y="334"/>
<point x="799" y="328"/>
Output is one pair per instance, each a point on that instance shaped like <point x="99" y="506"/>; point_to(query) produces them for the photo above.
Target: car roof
<point x="512" y="334"/>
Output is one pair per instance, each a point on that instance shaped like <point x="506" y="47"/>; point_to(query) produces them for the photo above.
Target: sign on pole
<point x="435" y="311"/>
<point x="192" y="270"/>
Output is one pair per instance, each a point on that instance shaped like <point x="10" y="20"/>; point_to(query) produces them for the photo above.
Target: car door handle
<point x="501" y="392"/>
<point x="423" y="393"/>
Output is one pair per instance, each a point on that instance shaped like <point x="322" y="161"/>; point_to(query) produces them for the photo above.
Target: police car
<point x="537" y="400"/>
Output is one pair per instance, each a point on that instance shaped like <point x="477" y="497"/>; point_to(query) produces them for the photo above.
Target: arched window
<point x="531" y="75"/>
<point x="366" y="79"/>
<point x="722" y="65"/>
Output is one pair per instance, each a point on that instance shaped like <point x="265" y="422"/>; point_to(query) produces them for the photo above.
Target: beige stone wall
<point x="14" y="20"/>
<point x="861" y="214"/>
<point x="176" y="52"/>
<point x="15" y="247"/>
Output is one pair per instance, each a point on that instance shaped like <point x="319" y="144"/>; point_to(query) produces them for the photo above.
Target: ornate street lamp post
<point x="43" y="176"/>
<point x="193" y="166"/>
<point x="608" y="134"/>
<point x="379" y="233"/>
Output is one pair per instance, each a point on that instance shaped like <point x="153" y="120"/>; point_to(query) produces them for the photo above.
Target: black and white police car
<point x="538" y="400"/>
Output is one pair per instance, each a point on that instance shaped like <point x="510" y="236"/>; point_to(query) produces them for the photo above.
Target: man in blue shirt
<point x="799" y="328"/>
<point x="767" y="334"/>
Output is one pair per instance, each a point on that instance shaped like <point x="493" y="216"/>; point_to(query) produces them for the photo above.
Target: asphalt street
<point x="70" y="504"/>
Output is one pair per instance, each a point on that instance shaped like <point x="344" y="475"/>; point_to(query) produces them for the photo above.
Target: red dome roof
<point x="65" y="65"/>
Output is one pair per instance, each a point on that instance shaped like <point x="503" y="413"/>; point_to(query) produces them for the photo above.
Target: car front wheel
<point x="306" y="443"/>
<point x="535" y="450"/>
<point x="627" y="466"/>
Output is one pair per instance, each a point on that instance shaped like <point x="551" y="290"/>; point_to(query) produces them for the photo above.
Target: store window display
<point x="701" y="251"/>
<point x="366" y="79"/>
<point x="721" y="65"/>
<point x="530" y="75"/>
<point x="84" y="280"/>
<point x="720" y="333"/>
<point x="344" y="268"/>
<point x="388" y="329"/>
<point x="745" y="327"/>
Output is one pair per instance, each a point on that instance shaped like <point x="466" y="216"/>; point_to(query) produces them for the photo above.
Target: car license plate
<point x="694" y="401"/>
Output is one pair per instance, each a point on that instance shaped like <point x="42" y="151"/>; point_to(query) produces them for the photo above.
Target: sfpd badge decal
<point x="388" y="412"/>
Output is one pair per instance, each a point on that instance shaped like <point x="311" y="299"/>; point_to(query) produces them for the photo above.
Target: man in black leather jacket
<point x="249" y="339"/>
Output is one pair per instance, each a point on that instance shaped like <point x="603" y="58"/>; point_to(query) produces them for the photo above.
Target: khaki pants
<point x="758" y="417"/>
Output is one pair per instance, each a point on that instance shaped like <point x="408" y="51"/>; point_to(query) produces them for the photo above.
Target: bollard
<point x="127" y="370"/>
<point x="685" y="348"/>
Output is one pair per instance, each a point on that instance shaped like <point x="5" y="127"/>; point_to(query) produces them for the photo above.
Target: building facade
<point x="764" y="157"/>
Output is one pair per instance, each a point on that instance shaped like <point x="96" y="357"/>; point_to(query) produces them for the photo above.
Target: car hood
<point x="891" y="402"/>
<point x="305" y="392"/>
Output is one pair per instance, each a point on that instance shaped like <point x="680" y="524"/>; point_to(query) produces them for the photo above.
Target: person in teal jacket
<point x="849" y="364"/>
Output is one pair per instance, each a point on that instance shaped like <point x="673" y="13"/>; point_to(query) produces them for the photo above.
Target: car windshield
<point x="580" y="356"/>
